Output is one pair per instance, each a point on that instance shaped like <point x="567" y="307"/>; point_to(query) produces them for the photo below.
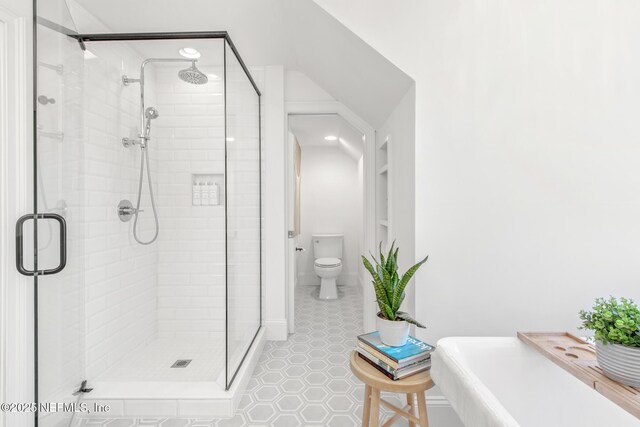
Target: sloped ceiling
<point x="298" y="34"/>
<point x="311" y="129"/>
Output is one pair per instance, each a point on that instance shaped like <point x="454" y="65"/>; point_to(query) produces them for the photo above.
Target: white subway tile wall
<point x="191" y="249"/>
<point x="120" y="274"/>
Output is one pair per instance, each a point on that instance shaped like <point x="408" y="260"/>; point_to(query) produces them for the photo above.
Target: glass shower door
<point x="59" y="299"/>
<point x="243" y="214"/>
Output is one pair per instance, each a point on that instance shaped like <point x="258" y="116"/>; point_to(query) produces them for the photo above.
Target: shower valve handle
<point x="126" y="210"/>
<point x="129" y="210"/>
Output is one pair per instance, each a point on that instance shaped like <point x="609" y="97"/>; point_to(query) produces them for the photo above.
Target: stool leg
<point x="375" y="407"/>
<point x="422" y="409"/>
<point x="412" y="405"/>
<point x="366" y="411"/>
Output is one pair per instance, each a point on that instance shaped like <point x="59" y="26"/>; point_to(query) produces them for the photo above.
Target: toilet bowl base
<point x="328" y="289"/>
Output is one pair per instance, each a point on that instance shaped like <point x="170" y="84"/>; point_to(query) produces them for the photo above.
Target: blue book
<point x="414" y="349"/>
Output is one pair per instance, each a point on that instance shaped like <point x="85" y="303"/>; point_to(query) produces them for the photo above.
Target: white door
<point x="16" y="297"/>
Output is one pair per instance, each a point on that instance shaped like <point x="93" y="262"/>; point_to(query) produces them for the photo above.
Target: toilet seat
<point x="328" y="262"/>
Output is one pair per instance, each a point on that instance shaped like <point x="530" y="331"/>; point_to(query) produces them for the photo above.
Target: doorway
<point x="329" y="180"/>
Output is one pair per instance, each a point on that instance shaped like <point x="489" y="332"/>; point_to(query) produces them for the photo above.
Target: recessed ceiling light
<point x="189" y="53"/>
<point x="331" y="138"/>
<point x="230" y="139"/>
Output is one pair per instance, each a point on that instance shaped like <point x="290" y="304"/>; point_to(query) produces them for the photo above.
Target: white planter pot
<point x="620" y="363"/>
<point x="392" y="333"/>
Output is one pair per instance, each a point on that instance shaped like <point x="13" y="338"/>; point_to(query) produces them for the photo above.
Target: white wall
<point x="399" y="128"/>
<point x="189" y="136"/>
<point x="526" y="163"/>
<point x="329" y="204"/>
<point x="300" y="88"/>
<point x="120" y="275"/>
<point x="274" y="223"/>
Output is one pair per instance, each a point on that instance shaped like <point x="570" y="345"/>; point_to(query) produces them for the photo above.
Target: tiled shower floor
<point x="153" y="362"/>
<point x="304" y="381"/>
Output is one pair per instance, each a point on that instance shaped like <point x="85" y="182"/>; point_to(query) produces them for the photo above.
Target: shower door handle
<point x="20" y="244"/>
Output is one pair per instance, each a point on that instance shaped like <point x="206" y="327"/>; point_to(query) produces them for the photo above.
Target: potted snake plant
<point x="389" y="286"/>
<point x="616" y="326"/>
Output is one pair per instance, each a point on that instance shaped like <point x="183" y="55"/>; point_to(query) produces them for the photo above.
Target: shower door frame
<point x="105" y="37"/>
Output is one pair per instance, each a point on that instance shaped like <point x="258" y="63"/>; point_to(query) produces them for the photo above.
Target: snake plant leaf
<point x="399" y="290"/>
<point x="383" y="263"/>
<point x="398" y="303"/>
<point x="381" y="298"/>
<point x="395" y="305"/>
<point x="405" y="316"/>
<point x="383" y="274"/>
<point x="388" y="285"/>
<point x="386" y="310"/>
<point x="394" y="263"/>
<point x="381" y="295"/>
<point x="370" y="268"/>
<point x="389" y="264"/>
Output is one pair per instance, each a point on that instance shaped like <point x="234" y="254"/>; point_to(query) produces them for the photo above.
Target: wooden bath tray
<point x="579" y="358"/>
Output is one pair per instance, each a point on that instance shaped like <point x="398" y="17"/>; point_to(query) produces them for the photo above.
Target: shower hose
<point x="144" y="157"/>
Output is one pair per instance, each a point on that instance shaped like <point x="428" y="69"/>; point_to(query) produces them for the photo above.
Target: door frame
<point x="369" y="183"/>
<point x="16" y="143"/>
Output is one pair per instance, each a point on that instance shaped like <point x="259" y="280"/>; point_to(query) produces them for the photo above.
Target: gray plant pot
<point x="620" y="363"/>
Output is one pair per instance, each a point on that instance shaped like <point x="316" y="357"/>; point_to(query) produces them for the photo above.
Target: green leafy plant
<point x="389" y="286"/>
<point x="613" y="321"/>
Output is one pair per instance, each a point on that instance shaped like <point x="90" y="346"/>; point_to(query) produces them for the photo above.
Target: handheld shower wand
<point x="150" y="113"/>
<point x="189" y="75"/>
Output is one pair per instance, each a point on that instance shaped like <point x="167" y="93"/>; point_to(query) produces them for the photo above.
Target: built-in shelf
<point x="384" y="167"/>
<point x="207" y="189"/>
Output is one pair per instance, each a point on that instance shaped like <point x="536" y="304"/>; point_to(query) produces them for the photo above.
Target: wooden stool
<point x="375" y="382"/>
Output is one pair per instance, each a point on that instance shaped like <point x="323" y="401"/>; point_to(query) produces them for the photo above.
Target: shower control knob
<point x="126" y="210"/>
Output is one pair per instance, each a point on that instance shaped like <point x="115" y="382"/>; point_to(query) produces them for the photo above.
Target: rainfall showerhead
<point x="193" y="75"/>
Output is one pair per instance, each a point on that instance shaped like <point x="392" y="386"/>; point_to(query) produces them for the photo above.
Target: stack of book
<point x="395" y="362"/>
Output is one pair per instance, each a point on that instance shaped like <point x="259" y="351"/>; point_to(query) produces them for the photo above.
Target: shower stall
<point x="146" y="254"/>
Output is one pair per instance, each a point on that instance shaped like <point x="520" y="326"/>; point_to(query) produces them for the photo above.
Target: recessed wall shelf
<point x="207" y="189"/>
<point x="383" y="191"/>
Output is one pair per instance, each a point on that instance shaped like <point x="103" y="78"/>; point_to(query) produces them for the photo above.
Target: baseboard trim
<point x="277" y="330"/>
<point x="439" y="401"/>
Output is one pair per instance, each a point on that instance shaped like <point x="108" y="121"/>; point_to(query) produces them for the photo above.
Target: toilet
<point x="327" y="250"/>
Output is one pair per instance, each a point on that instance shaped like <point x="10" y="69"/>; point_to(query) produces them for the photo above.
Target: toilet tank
<point x="327" y="245"/>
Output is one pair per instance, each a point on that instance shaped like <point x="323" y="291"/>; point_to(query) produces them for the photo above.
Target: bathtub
<point x="495" y="382"/>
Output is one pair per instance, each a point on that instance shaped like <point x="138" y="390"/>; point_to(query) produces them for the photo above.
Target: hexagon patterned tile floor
<point x="304" y="381"/>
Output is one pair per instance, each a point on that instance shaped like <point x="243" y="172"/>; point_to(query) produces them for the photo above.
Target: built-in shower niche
<point x="207" y="189"/>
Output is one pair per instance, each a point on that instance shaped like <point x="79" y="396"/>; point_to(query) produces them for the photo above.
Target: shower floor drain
<point x="182" y="363"/>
